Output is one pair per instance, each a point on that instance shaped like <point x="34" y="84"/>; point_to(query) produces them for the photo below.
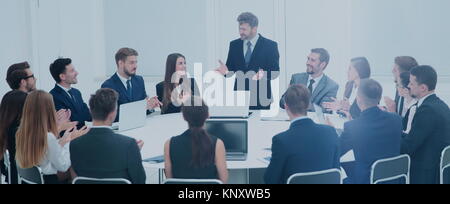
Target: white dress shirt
<point x="407" y="106"/>
<point x="420" y="102"/>
<point x="66" y="90"/>
<point x="253" y="41"/>
<point x="352" y="98"/>
<point x="316" y="82"/>
<point x="124" y="81"/>
<point x="412" y="112"/>
<point x="57" y="158"/>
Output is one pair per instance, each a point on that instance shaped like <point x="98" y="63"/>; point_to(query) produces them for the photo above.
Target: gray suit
<point x="325" y="90"/>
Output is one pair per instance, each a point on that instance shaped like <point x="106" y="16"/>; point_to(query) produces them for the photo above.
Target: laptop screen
<point x="234" y="134"/>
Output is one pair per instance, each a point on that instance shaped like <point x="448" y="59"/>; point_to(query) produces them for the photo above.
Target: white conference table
<point x="160" y="128"/>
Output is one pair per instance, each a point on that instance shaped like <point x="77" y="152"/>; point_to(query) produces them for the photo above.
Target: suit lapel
<point x="320" y="87"/>
<point x="256" y="51"/>
<point x="67" y="98"/>
<point x="122" y="88"/>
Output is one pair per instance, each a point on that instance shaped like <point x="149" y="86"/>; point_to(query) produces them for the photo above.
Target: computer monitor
<point x="234" y="134"/>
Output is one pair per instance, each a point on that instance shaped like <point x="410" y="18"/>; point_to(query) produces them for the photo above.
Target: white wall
<point x="15" y="37"/>
<point x="90" y="31"/>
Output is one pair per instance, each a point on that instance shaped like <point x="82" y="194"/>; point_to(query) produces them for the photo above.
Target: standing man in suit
<point x="131" y="87"/>
<point x="64" y="95"/>
<point x="103" y="154"/>
<point x="306" y="146"/>
<point x="322" y="88"/>
<point x="255" y="61"/>
<point x="430" y="130"/>
<point x="374" y="135"/>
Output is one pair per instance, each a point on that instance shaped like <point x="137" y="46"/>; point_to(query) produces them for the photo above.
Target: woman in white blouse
<point x="410" y="104"/>
<point x="37" y="139"/>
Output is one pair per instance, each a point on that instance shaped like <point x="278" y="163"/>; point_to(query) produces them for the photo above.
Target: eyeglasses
<point x="32" y="76"/>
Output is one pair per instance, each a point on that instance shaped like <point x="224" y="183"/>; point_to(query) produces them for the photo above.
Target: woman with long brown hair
<point x="10" y="115"/>
<point x="195" y="154"/>
<point x="176" y="86"/>
<point x="37" y="139"/>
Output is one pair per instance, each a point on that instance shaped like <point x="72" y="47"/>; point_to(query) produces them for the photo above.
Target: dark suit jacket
<point x="265" y="56"/>
<point x="305" y="147"/>
<point x="11" y="147"/>
<point x="429" y="135"/>
<point x="138" y="87"/>
<point x="324" y="92"/>
<point x="172" y="108"/>
<point x="80" y="111"/>
<point x="103" y="154"/>
<point x="373" y="136"/>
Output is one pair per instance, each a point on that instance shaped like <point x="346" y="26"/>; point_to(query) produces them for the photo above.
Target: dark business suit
<point x="324" y="92"/>
<point x="429" y="135"/>
<point x="171" y="107"/>
<point x="265" y="56"/>
<point x="138" y="90"/>
<point x="373" y="136"/>
<point x="11" y="147"/>
<point x="103" y="154"/>
<point x="305" y="147"/>
<point x="79" y="109"/>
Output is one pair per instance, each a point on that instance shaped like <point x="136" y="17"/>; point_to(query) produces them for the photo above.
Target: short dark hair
<point x="371" y="92"/>
<point x="406" y="63"/>
<point x="324" y="55"/>
<point x="124" y="53"/>
<point x="298" y="98"/>
<point x="16" y="73"/>
<point x="249" y="18"/>
<point x="362" y="66"/>
<point x="102" y="103"/>
<point x="425" y="75"/>
<point x="59" y="67"/>
<point x="405" y="79"/>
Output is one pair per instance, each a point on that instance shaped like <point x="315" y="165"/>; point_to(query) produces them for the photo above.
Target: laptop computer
<point x="241" y="110"/>
<point x="132" y="115"/>
<point x="234" y="135"/>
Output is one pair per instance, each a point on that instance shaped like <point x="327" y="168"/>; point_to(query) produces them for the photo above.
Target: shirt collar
<point x="316" y="80"/>
<point x="64" y="88"/>
<point x="101" y="127"/>
<point x="299" y="118"/>
<point x="423" y="99"/>
<point x="124" y="80"/>
<point x="253" y="41"/>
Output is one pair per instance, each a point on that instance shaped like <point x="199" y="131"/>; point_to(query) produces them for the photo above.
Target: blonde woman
<point x="37" y="139"/>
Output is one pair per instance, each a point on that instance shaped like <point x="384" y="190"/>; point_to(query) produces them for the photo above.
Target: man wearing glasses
<point x="20" y="77"/>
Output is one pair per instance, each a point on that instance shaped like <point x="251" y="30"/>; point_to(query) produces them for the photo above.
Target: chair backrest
<point x="7" y="163"/>
<point x="331" y="176"/>
<point x="85" y="180"/>
<point x="445" y="163"/>
<point x="391" y="169"/>
<point x="32" y="175"/>
<point x="192" y="181"/>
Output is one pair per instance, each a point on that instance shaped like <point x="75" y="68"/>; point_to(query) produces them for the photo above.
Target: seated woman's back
<point x="195" y="154"/>
<point x="181" y="155"/>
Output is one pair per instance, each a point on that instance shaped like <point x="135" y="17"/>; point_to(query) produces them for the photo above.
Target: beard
<point x="310" y="70"/>
<point x="31" y="88"/>
<point x="129" y="73"/>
